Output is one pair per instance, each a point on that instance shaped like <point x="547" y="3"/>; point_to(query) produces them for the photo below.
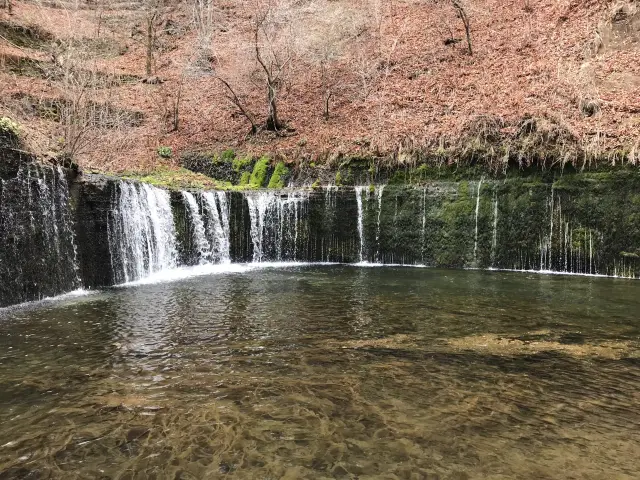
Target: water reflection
<point x="326" y="372"/>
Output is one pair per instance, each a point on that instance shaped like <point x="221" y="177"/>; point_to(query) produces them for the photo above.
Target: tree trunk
<point x="150" y="42"/>
<point x="465" y="20"/>
<point x="327" y="97"/>
<point x="273" y="122"/>
<point x="233" y="98"/>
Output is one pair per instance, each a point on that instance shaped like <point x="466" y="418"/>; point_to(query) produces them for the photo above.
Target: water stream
<point x="38" y="248"/>
<point x="358" y="192"/>
<point x="269" y="371"/>
<point x="141" y="232"/>
<point x="217" y="212"/>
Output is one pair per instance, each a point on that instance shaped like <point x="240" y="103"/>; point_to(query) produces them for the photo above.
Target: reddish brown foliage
<point x="396" y="83"/>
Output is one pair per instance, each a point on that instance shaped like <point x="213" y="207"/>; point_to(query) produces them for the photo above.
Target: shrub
<point x="165" y="152"/>
<point x="279" y="176"/>
<point x="338" y="178"/>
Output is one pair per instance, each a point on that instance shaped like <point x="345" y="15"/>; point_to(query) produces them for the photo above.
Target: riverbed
<point x="325" y="371"/>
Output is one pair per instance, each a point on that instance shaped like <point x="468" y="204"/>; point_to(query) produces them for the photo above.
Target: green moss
<point x="372" y="188"/>
<point x="244" y="179"/>
<point x="398" y="178"/>
<point x="228" y="155"/>
<point x="259" y="174"/>
<point x="241" y="164"/>
<point x="178" y="179"/>
<point x="9" y="126"/>
<point x="279" y="176"/>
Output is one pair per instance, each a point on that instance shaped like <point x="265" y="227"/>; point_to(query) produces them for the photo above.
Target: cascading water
<point x="38" y="257"/>
<point x="494" y="241"/>
<point x="141" y="231"/>
<point x="434" y="225"/>
<point x="359" y="191"/>
<point x="217" y="216"/>
<point x="475" y="244"/>
<point x="379" y="191"/>
<point x="277" y="223"/>
<point x="200" y="242"/>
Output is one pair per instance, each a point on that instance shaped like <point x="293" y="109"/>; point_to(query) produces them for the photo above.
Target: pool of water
<point x="326" y="371"/>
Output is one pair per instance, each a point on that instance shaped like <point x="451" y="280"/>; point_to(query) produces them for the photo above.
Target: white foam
<point x="81" y="292"/>
<point x="371" y="264"/>
<point x="556" y="272"/>
<point x="182" y="273"/>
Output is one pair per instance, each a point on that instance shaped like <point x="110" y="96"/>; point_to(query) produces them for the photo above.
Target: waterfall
<point x="494" y="242"/>
<point x="217" y="215"/>
<point x="379" y="191"/>
<point x="277" y="223"/>
<point x="141" y="232"/>
<point x="359" y="191"/>
<point x="258" y="205"/>
<point x="38" y="257"/>
<point x="475" y="244"/>
<point x="198" y="231"/>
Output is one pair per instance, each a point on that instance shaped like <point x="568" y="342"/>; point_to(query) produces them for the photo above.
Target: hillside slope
<point x="548" y="81"/>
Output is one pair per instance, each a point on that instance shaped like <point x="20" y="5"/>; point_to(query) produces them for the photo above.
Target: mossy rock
<point x="9" y="133"/>
<point x="279" y="176"/>
<point x="259" y="175"/>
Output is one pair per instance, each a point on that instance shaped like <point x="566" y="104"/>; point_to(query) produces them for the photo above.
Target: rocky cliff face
<point x="38" y="250"/>
<point x="60" y="232"/>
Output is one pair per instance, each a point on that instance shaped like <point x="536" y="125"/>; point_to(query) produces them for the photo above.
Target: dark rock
<point x="153" y="80"/>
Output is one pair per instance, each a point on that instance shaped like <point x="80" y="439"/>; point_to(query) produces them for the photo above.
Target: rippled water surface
<point x="326" y="372"/>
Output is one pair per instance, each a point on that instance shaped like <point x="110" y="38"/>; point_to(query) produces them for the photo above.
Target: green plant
<point x="175" y="178"/>
<point x="228" y="155"/>
<point x="338" y="178"/>
<point x="165" y="152"/>
<point x="259" y="174"/>
<point x="279" y="175"/>
<point x="244" y="179"/>
<point x="239" y="164"/>
<point x="315" y="185"/>
<point x="9" y="126"/>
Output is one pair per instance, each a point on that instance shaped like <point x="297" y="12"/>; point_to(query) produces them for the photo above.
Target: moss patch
<point x="176" y="179"/>
<point x="259" y="174"/>
<point x="279" y="176"/>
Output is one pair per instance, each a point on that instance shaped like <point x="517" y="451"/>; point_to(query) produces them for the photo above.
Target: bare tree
<point x="324" y="32"/>
<point x="244" y="110"/>
<point x="152" y="10"/>
<point x="203" y="19"/>
<point x="85" y="109"/>
<point x="169" y="102"/>
<point x="274" y="57"/>
<point x="462" y="13"/>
